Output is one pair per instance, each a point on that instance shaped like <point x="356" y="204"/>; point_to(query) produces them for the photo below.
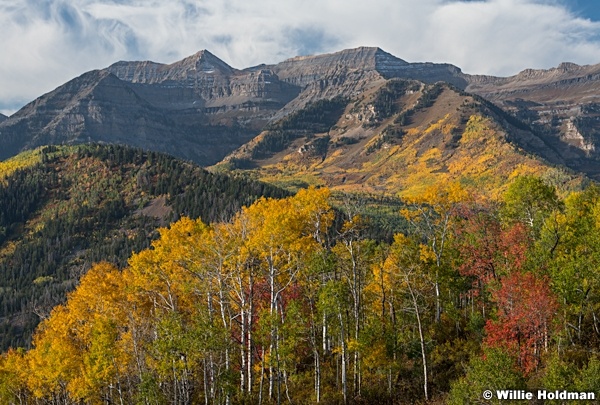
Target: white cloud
<point x="44" y="46"/>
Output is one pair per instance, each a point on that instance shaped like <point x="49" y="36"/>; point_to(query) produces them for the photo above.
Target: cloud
<point x="47" y="43"/>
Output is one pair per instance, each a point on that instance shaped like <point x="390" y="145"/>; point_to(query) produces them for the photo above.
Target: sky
<point x="45" y="43"/>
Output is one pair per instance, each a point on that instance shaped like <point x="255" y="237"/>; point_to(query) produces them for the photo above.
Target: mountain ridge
<point x="202" y="109"/>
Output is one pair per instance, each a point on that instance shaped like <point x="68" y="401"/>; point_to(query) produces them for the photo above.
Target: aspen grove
<point x="290" y="302"/>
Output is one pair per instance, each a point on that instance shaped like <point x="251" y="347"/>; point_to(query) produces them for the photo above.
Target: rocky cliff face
<point x="352" y="72"/>
<point x="306" y="70"/>
<point x="204" y="81"/>
<point x="199" y="108"/>
<point x="567" y="82"/>
<point x="98" y="107"/>
<point x="561" y="102"/>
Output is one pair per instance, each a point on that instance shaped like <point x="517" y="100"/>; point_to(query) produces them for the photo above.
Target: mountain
<point x="399" y="138"/>
<point x="64" y="208"/>
<point x="561" y="102"/>
<point x="99" y="107"/>
<point x="351" y="71"/>
<point x="199" y="108"/>
<point x="207" y="85"/>
<point x="202" y="109"/>
<point x="2" y="117"/>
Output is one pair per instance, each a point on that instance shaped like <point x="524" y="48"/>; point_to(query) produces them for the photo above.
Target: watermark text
<point x="538" y="394"/>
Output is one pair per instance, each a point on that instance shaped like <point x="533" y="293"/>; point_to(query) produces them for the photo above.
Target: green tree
<point x="495" y="370"/>
<point x="529" y="200"/>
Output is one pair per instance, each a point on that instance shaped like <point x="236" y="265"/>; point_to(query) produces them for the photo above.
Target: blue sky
<point x="47" y="42"/>
<point x="587" y="8"/>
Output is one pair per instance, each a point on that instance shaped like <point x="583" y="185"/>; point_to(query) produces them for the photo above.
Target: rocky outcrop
<point x="574" y="137"/>
<point x="551" y="100"/>
<point x="204" y="81"/>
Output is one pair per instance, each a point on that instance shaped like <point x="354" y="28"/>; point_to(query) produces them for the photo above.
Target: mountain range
<point x="202" y="109"/>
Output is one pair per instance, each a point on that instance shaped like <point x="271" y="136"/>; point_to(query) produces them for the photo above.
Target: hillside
<point x="266" y="309"/>
<point x="65" y="208"/>
<point x="401" y="137"/>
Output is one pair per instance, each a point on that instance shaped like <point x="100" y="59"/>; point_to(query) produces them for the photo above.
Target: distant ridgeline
<point x="64" y="208"/>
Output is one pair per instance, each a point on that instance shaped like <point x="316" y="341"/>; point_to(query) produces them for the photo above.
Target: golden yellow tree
<point x="431" y="214"/>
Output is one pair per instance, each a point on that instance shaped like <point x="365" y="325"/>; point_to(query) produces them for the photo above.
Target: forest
<point x="286" y="303"/>
<point x="64" y="208"/>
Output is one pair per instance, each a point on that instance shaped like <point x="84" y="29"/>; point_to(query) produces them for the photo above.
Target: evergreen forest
<point x="64" y="208"/>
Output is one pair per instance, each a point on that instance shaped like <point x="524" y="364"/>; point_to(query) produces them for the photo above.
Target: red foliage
<point x="486" y="249"/>
<point x="478" y="236"/>
<point x="526" y="307"/>
<point x="513" y="245"/>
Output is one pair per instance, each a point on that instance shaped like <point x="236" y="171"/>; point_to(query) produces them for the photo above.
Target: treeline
<point x="278" y="305"/>
<point x="81" y="205"/>
<point x="316" y="117"/>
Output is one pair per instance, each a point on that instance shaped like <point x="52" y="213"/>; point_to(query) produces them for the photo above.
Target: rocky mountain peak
<point x="203" y="62"/>
<point x="568" y="66"/>
<point x="2" y="117"/>
<point x="200" y="64"/>
<point x="364" y="58"/>
<point x="303" y="71"/>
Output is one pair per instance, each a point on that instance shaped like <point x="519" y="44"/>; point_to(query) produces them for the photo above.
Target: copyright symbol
<point x="487" y="394"/>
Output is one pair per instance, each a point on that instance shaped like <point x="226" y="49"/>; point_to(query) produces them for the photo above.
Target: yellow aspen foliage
<point x="56" y="358"/>
<point x="440" y="197"/>
<point x="165" y="273"/>
<point x="76" y="349"/>
<point x="441" y="125"/>
<point x="478" y="128"/>
<point x="20" y="161"/>
<point x="13" y="376"/>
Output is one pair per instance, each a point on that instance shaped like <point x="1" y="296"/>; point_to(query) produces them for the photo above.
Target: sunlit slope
<point x="21" y="161"/>
<point x="399" y="138"/>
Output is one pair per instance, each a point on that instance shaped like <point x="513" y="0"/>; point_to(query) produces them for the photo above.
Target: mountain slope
<point x="399" y="138"/>
<point x="98" y="107"/>
<point x="66" y="208"/>
<point x="561" y="102"/>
